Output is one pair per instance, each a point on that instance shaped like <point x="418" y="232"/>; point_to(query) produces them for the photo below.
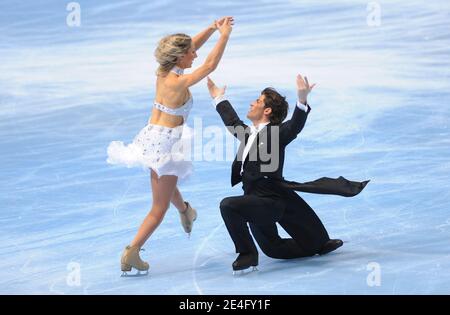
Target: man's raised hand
<point x="303" y="89"/>
<point x="214" y="91"/>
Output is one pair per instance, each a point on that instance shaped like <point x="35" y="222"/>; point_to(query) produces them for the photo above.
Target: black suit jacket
<point x="265" y="167"/>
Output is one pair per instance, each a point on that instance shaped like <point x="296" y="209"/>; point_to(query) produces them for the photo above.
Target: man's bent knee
<point x="226" y="203"/>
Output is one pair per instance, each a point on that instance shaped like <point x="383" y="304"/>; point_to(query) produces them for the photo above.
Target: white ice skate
<point x="130" y="259"/>
<point x="187" y="218"/>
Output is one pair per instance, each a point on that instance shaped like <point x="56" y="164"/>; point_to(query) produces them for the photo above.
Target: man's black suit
<point x="268" y="198"/>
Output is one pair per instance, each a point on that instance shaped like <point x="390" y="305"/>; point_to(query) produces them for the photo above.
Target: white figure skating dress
<point x="163" y="149"/>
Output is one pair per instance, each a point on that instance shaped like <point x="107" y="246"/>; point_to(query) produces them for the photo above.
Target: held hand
<point x="225" y="27"/>
<point x="214" y="91"/>
<point x="217" y="23"/>
<point x="303" y="88"/>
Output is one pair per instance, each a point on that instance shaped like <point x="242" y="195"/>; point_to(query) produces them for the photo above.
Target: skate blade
<point x="245" y="271"/>
<point x="125" y="274"/>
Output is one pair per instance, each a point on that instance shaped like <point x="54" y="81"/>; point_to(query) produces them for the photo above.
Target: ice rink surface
<point x="380" y="111"/>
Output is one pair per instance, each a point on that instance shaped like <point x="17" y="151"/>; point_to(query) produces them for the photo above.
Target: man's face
<point x="257" y="111"/>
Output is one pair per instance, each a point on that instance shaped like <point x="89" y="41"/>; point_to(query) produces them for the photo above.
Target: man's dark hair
<point x="278" y="103"/>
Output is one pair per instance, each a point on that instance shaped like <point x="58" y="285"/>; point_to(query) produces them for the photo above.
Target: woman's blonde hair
<point x="170" y="49"/>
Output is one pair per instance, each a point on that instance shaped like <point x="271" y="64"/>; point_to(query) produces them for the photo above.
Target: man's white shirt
<point x="253" y="129"/>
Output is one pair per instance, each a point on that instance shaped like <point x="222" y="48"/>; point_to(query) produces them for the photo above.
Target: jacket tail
<point x="326" y="185"/>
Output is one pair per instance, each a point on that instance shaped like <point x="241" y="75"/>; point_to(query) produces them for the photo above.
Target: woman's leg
<point x="178" y="201"/>
<point x="187" y="214"/>
<point x="162" y="189"/>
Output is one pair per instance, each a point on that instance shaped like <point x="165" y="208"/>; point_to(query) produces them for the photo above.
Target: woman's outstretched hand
<point x="214" y="91"/>
<point x="303" y="89"/>
<point x="217" y="23"/>
<point x="225" y="25"/>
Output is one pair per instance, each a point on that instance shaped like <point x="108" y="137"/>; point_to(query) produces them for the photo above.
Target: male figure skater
<point x="269" y="198"/>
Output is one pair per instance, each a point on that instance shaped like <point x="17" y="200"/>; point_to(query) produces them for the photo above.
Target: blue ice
<point x="380" y="111"/>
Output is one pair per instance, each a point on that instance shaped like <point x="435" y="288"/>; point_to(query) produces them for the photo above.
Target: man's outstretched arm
<point x="291" y="128"/>
<point x="229" y="116"/>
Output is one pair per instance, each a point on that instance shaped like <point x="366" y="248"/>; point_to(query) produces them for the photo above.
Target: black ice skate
<point x="245" y="261"/>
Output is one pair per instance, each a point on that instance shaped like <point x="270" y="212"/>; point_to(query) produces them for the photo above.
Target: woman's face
<point x="188" y="58"/>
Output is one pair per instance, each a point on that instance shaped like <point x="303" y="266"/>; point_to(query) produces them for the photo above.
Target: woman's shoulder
<point x="171" y="93"/>
<point x="170" y="79"/>
<point x="172" y="82"/>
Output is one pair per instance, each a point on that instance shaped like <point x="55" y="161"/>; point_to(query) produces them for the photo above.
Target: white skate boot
<point x="130" y="259"/>
<point x="187" y="218"/>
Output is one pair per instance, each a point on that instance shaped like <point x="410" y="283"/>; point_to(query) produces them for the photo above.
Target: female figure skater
<point x="155" y="145"/>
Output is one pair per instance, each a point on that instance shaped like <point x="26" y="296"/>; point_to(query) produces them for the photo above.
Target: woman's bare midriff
<point x="163" y="119"/>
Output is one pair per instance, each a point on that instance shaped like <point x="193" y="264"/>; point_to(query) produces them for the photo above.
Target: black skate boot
<point x="330" y="246"/>
<point x="245" y="261"/>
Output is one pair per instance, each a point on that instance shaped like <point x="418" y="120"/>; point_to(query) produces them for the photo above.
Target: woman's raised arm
<point x="204" y="35"/>
<point x="213" y="58"/>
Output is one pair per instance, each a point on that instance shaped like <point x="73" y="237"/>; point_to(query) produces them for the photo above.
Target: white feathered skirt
<point x="162" y="149"/>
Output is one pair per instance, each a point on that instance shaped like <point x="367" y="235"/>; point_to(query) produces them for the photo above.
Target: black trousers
<point x="261" y="211"/>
